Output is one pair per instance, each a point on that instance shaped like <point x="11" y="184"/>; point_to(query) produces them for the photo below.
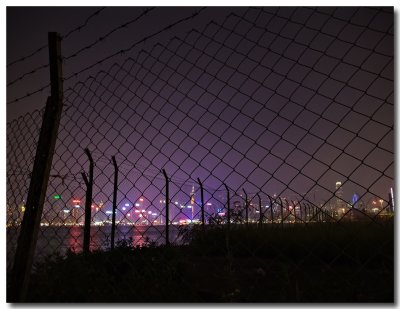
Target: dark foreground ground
<point x="349" y="262"/>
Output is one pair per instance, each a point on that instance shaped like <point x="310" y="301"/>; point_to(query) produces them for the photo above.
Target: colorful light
<point x="57" y="197"/>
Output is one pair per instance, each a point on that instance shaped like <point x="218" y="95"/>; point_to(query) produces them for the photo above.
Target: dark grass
<point x="349" y="262"/>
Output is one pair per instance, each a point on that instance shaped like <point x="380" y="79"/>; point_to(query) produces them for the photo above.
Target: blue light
<point x="355" y="198"/>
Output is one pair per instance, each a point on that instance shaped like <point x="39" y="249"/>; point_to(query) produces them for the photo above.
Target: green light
<point x="57" y="197"/>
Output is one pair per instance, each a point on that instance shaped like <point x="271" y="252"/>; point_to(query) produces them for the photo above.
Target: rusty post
<point x="166" y="208"/>
<point x="114" y="202"/>
<point x="88" y="203"/>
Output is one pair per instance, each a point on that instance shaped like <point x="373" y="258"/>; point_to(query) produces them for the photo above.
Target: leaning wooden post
<point x="40" y="175"/>
<point x="202" y="202"/>
<point x="246" y="207"/>
<point x="114" y="202"/>
<point x="88" y="203"/>
<point x="229" y="206"/>
<point x="166" y="208"/>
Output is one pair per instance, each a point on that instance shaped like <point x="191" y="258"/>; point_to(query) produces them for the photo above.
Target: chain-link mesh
<point x="289" y="111"/>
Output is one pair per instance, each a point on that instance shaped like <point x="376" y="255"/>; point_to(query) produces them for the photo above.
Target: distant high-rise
<point x="192" y="194"/>
<point x="339" y="195"/>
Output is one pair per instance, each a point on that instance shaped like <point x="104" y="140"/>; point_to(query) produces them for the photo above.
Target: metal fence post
<point x="246" y="207"/>
<point x="301" y="212"/>
<point x="271" y="208"/>
<point x="294" y="211"/>
<point x="166" y="208"/>
<point x="88" y="204"/>
<point x="114" y="201"/>
<point x="260" y="207"/>
<point x="229" y="206"/>
<point x="202" y="202"/>
<point x="281" y="203"/>
<point x="40" y="175"/>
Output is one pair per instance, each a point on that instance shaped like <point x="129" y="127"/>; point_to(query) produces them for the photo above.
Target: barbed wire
<point x="77" y="29"/>
<point x="102" y="38"/>
<point x="85" y="48"/>
<point x="74" y="75"/>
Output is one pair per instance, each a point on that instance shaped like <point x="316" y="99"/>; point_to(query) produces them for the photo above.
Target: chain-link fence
<point x="279" y="118"/>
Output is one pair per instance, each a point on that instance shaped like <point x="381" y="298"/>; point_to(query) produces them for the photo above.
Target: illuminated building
<point x="355" y="199"/>
<point x="391" y="201"/>
<point x="339" y="196"/>
<point x="192" y="201"/>
<point x="77" y="212"/>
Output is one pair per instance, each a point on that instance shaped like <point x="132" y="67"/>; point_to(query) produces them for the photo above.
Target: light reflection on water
<point x="54" y="239"/>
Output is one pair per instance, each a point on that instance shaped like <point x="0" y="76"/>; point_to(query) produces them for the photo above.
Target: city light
<point x="392" y="197"/>
<point x="57" y="197"/>
<point x="141" y="199"/>
<point x="137" y="204"/>
<point x="127" y="204"/>
<point x="123" y="208"/>
<point x="76" y="201"/>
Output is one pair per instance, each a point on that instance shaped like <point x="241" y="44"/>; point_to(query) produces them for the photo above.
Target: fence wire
<point x="286" y="112"/>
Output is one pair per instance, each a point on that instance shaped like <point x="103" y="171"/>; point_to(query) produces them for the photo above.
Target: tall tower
<point x="339" y="195"/>
<point x="192" y="201"/>
<point x="192" y="194"/>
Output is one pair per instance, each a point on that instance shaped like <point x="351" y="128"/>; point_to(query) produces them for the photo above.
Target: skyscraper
<point x="339" y="195"/>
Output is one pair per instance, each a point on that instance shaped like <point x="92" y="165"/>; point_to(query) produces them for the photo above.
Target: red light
<point x="141" y="199"/>
<point x="76" y="201"/>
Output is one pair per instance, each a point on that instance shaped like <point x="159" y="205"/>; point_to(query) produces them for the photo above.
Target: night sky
<point x="282" y="101"/>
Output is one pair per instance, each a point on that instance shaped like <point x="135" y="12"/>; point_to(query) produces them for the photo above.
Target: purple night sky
<point x="282" y="101"/>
